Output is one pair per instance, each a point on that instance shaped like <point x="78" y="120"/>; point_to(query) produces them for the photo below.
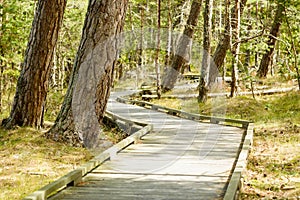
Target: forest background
<point x="254" y="39"/>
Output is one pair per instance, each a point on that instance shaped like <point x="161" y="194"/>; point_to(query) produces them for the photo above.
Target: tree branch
<point x="243" y="40"/>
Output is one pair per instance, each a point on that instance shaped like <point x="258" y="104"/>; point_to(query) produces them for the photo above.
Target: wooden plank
<point x="44" y="192"/>
<point x="234" y="183"/>
<point x="141" y="187"/>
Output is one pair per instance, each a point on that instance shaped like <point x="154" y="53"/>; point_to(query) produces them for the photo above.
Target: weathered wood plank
<point x="141" y="187"/>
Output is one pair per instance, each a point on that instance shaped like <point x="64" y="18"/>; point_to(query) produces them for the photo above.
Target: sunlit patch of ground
<point x="274" y="164"/>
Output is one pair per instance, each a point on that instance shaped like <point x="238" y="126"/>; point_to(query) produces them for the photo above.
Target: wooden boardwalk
<point x="180" y="159"/>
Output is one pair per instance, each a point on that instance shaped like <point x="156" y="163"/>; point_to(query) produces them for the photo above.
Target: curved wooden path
<point x="179" y="159"/>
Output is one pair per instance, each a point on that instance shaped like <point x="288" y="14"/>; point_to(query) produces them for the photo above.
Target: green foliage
<point x="16" y="24"/>
<point x="68" y="42"/>
<point x="255" y="20"/>
<point x="70" y="32"/>
<point x="54" y="100"/>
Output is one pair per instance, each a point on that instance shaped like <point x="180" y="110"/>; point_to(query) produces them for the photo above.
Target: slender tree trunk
<point x="182" y="52"/>
<point x="248" y="52"/>
<point x="54" y="70"/>
<point x="224" y="44"/>
<point x="169" y="43"/>
<point x="236" y="50"/>
<point x="256" y="57"/>
<point x="89" y="87"/>
<point x="134" y="55"/>
<point x="157" y="67"/>
<point x="206" y="59"/>
<point x="267" y="57"/>
<point x="140" y="45"/>
<point x="61" y="72"/>
<point x="220" y="24"/>
<point x="32" y="86"/>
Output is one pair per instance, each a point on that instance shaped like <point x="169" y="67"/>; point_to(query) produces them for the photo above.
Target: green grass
<point x="28" y="161"/>
<point x="273" y="169"/>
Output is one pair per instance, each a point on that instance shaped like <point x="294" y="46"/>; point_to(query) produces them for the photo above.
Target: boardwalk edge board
<point x="74" y="177"/>
<point x="195" y="117"/>
<point x="234" y="184"/>
<point x="257" y="92"/>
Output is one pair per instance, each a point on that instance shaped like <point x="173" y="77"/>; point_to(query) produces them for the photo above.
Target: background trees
<point x="181" y="56"/>
<point x="136" y="67"/>
<point x="256" y="20"/>
<point x="274" y="32"/>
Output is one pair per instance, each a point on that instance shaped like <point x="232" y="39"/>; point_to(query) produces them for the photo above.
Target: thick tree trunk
<point x="32" y="86"/>
<point x="224" y="43"/>
<point x="206" y="59"/>
<point x="181" y="56"/>
<point x="89" y="87"/>
<point x="267" y="57"/>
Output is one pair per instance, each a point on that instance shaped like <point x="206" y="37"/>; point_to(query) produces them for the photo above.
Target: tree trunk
<point x="89" y="87"/>
<point x="169" y="43"/>
<point x="182" y="52"/>
<point x="256" y="57"/>
<point x="32" y="86"/>
<point x="267" y="57"/>
<point x="207" y="34"/>
<point x="157" y="67"/>
<point x="140" y="46"/>
<point x="224" y="44"/>
<point x="235" y="50"/>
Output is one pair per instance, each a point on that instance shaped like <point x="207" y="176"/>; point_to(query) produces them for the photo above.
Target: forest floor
<point x="273" y="170"/>
<point x="29" y="161"/>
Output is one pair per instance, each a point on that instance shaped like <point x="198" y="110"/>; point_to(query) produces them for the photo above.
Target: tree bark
<point x="32" y="86"/>
<point x="169" y="43"/>
<point x="267" y="57"/>
<point x="224" y="43"/>
<point x="89" y="87"/>
<point x="207" y="34"/>
<point x="182" y="51"/>
<point x="157" y="67"/>
<point x="235" y="50"/>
